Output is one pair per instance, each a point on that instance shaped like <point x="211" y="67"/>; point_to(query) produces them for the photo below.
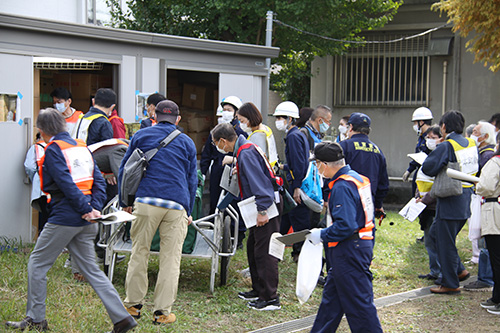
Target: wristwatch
<point x="262" y="212"/>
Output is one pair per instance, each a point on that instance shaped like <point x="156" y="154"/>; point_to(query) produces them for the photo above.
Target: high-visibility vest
<point x="271" y="144"/>
<point x="424" y="182"/>
<point x="39" y="150"/>
<point x="365" y="194"/>
<point x="72" y="121"/>
<point x="467" y="158"/>
<point x="79" y="161"/>
<point x="82" y="129"/>
<point x="275" y="180"/>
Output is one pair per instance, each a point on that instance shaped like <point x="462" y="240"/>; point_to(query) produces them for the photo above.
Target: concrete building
<point x="389" y="81"/>
<point x="37" y="55"/>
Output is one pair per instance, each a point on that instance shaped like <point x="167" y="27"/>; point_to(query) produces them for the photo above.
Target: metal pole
<point x="269" y="39"/>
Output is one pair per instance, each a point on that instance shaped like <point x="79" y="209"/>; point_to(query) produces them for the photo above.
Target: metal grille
<point x="391" y="74"/>
<point x="69" y="65"/>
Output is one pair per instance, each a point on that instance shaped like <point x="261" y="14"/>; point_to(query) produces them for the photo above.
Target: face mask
<point x="416" y="129"/>
<point x="227" y="116"/>
<point x="222" y="151"/>
<point x="323" y="127"/>
<point x="60" y="107"/>
<point x="321" y="173"/>
<point x="245" y="128"/>
<point x="431" y="143"/>
<point x="221" y="120"/>
<point x="281" y="125"/>
<point x="342" y="129"/>
<point x="475" y="138"/>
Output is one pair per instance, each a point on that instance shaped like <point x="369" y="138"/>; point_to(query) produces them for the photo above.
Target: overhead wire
<point x="363" y="42"/>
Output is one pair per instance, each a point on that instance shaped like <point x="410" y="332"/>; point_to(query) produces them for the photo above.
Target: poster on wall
<point x="10" y="107"/>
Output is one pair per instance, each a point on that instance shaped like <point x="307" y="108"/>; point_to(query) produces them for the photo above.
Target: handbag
<point x="288" y="202"/>
<point x="310" y="191"/>
<point x="135" y="169"/>
<point x="445" y="186"/>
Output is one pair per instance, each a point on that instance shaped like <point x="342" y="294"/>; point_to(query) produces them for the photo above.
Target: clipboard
<point x="294" y="237"/>
<point x="229" y="182"/>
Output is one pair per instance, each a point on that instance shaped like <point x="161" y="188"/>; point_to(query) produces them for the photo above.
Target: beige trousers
<point x="173" y="227"/>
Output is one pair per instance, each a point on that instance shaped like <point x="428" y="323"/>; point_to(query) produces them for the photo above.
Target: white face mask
<point x="221" y="120"/>
<point x="475" y="138"/>
<point x="220" y="150"/>
<point x="321" y="173"/>
<point x="342" y="129"/>
<point x="431" y="143"/>
<point x="281" y="125"/>
<point x="60" y="107"/>
<point x="416" y="129"/>
<point x="245" y="128"/>
<point x="227" y="116"/>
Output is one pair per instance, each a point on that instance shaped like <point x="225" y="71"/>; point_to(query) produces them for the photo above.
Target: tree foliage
<point x="244" y="21"/>
<point x="481" y="17"/>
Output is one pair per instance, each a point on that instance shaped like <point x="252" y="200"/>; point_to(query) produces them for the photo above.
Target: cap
<point x="167" y="110"/>
<point x="328" y="152"/>
<point x="359" y="120"/>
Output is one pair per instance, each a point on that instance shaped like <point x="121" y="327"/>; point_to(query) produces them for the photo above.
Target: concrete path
<point x="307" y="322"/>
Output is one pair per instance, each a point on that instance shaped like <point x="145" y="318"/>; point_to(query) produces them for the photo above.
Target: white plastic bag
<point x="475" y="217"/>
<point x="308" y="270"/>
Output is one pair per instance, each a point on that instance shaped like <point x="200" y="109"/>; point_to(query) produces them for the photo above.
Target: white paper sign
<point x="276" y="248"/>
<point x="248" y="211"/>
<point x="412" y="210"/>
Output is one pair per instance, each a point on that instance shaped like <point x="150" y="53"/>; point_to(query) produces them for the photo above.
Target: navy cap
<point x="328" y="152"/>
<point x="359" y="120"/>
<point x="167" y="110"/>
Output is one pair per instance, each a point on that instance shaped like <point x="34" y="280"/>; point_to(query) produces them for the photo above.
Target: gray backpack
<point x="135" y="169"/>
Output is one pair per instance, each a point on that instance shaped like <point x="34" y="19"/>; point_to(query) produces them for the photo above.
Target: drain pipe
<point x="445" y="76"/>
<point x="269" y="39"/>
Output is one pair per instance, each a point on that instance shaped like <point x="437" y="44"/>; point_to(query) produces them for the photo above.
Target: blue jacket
<point x="253" y="175"/>
<point x="485" y="153"/>
<point x="421" y="147"/>
<point x="455" y="207"/>
<point x="146" y="123"/>
<point x="68" y="203"/>
<point x="346" y="208"/>
<point x="171" y="174"/>
<point x="367" y="159"/>
<point x="297" y="157"/>
<point x="100" y="129"/>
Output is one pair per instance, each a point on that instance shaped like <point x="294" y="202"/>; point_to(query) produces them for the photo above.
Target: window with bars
<point x="383" y="74"/>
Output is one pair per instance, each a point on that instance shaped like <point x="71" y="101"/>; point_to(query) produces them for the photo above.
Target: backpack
<point x="135" y="169"/>
<point x="311" y="192"/>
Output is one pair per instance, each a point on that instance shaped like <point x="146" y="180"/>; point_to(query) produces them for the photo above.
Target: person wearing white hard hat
<point x="422" y="121"/>
<point x="297" y="162"/>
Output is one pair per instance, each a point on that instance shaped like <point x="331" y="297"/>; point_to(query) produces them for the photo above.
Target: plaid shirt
<point x="160" y="203"/>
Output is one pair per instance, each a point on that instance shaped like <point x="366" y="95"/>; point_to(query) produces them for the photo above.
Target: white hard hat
<point x="219" y="111"/>
<point x="422" y="113"/>
<point x="233" y="100"/>
<point x="287" y="109"/>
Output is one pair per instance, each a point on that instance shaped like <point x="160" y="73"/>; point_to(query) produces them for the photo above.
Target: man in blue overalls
<point x="348" y="289"/>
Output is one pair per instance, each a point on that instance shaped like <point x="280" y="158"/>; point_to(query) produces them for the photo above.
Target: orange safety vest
<point x="39" y="150"/>
<point x="365" y="194"/>
<point x="71" y="122"/>
<point x="79" y="161"/>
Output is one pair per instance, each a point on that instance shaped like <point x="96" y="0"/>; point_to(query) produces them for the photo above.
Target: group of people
<point x="355" y="183"/>
<point x="475" y="154"/>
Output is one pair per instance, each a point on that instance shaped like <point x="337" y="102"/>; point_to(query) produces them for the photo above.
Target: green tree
<point x="245" y="22"/>
<point x="481" y="17"/>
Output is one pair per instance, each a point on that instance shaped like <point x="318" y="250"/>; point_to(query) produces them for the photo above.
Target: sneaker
<point x="420" y="240"/>
<point x="464" y="275"/>
<point x="478" y="286"/>
<point x="495" y="310"/>
<point x="261" y="305"/>
<point x="163" y="319"/>
<point x="251" y="295"/>
<point x="135" y="311"/>
<point x="321" y="281"/>
<point x="489" y="304"/>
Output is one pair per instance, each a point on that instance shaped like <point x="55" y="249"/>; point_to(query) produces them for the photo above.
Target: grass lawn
<point x="74" y="307"/>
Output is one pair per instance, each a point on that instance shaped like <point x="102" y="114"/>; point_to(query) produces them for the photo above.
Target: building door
<point x="16" y="105"/>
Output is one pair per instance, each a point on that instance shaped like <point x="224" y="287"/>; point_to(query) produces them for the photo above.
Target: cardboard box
<point x="81" y="85"/>
<point x="175" y="94"/>
<point x="200" y="123"/>
<point x="81" y="104"/>
<point x="196" y="97"/>
<point x="199" y="140"/>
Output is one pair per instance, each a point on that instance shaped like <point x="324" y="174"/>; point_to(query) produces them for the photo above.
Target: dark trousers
<point x="299" y="219"/>
<point x="348" y="289"/>
<point x="446" y="232"/>
<point x="263" y="266"/>
<point x="493" y="244"/>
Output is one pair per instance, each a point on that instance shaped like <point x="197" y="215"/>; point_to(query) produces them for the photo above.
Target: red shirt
<point x="118" y="125"/>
